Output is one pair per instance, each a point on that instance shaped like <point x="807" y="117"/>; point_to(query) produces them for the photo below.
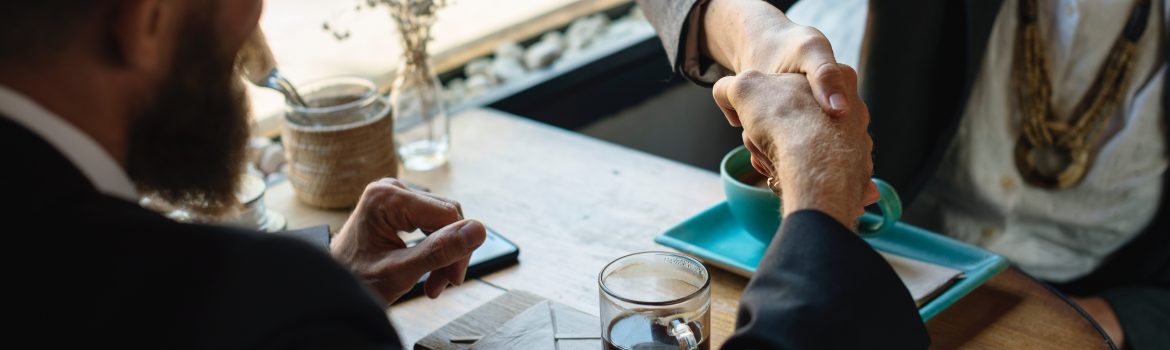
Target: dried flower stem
<point x="414" y="19"/>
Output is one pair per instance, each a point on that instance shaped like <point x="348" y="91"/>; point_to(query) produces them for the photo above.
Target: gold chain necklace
<point x="1052" y="153"/>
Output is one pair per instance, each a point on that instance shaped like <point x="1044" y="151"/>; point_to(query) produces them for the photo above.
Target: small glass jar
<point x="337" y="101"/>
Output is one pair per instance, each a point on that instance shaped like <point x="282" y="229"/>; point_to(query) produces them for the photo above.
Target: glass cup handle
<point x="682" y="332"/>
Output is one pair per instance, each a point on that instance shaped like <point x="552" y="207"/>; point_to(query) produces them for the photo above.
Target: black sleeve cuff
<point x="1144" y="313"/>
<point x="819" y="281"/>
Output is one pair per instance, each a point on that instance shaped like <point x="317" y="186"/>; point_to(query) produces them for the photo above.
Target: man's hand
<point x="821" y="162"/>
<point x="369" y="244"/>
<point x="747" y="35"/>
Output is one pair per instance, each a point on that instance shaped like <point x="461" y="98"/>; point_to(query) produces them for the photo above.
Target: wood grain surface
<point x="573" y="203"/>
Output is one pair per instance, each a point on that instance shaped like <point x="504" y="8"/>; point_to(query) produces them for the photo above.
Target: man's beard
<point x="187" y="147"/>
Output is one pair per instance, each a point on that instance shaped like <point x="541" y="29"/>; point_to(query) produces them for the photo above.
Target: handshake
<point x="818" y="160"/>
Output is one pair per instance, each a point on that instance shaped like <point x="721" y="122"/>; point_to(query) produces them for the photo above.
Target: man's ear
<point x="141" y="32"/>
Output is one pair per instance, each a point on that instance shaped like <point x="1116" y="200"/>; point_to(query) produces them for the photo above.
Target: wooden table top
<point x="573" y="203"/>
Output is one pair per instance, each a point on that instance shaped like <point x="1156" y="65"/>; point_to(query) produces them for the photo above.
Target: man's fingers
<point x="453" y="203"/>
<point x="721" y="92"/>
<point x="453" y="274"/>
<point x="406" y="210"/>
<point x="426" y="213"/>
<point x="759" y="159"/>
<point x="457" y="272"/>
<point x="445" y="247"/>
<point x="870" y="196"/>
<point x="760" y="167"/>
<point x="436" y="283"/>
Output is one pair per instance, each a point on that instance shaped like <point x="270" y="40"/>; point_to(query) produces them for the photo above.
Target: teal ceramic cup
<point x="758" y="209"/>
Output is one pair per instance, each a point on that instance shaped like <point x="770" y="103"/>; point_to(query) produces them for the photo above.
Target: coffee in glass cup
<point x="655" y="300"/>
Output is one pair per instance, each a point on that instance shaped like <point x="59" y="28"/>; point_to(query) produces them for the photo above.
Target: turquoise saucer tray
<point x="715" y="237"/>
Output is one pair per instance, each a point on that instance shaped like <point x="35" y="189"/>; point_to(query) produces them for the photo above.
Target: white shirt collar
<point x="85" y="153"/>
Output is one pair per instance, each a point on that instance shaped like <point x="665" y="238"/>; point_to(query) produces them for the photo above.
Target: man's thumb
<point x="447" y="246"/>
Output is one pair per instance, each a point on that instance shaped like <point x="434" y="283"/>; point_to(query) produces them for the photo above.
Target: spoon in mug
<point x="258" y="66"/>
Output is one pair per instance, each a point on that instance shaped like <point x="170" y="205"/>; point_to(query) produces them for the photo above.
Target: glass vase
<point x="421" y="127"/>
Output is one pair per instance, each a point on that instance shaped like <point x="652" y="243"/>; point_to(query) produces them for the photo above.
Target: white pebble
<point x="477" y="85"/>
<point x="480" y="67"/>
<point x="542" y="54"/>
<point x="509" y="49"/>
<point x="637" y="14"/>
<point x="271" y="159"/>
<point x="554" y="38"/>
<point x="583" y="31"/>
<point x="508" y="69"/>
<point x="275" y="178"/>
<point x="455" y="92"/>
<point x="256" y="146"/>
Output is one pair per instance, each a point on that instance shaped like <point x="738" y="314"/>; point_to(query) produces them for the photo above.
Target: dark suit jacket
<point x="104" y="271"/>
<point x="923" y="58"/>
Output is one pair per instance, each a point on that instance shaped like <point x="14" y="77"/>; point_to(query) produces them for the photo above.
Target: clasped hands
<point x="802" y="117"/>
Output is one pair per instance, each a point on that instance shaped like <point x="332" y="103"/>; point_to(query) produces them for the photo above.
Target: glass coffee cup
<point x="655" y="300"/>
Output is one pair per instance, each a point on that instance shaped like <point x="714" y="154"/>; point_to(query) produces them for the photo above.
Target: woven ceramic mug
<point x="339" y="143"/>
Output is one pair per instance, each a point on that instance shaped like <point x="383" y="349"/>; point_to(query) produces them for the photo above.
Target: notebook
<point x="923" y="279"/>
<point x="518" y="320"/>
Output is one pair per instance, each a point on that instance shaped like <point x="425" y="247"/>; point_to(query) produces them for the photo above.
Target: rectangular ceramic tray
<point x="715" y="237"/>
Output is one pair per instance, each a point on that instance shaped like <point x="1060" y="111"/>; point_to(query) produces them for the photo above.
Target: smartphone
<point x="496" y="253"/>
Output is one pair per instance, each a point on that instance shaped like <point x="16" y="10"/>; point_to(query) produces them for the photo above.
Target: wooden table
<point x="573" y="203"/>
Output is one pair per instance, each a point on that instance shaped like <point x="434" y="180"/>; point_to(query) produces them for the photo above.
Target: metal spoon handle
<point x="259" y="67"/>
<point x="278" y="82"/>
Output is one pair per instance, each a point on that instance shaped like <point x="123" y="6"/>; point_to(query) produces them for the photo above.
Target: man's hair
<point x="34" y="29"/>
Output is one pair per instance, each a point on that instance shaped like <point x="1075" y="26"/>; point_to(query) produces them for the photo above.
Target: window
<point x="466" y="29"/>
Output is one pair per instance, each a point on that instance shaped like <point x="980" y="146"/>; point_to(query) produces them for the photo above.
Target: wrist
<point x="797" y="198"/>
<point x="812" y="183"/>
<point x="764" y="52"/>
<point x="742" y="34"/>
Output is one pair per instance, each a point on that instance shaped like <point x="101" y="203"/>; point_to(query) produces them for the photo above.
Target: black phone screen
<point x="496" y="253"/>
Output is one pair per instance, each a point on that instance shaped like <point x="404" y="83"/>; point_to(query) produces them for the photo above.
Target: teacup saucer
<point x="716" y="238"/>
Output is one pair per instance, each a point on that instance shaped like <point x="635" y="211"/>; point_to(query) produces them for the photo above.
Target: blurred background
<point x="591" y="66"/>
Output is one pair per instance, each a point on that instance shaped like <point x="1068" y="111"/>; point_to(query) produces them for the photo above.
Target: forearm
<point x="818" y="281"/>
<point x="826" y="176"/>
<point x="741" y="34"/>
